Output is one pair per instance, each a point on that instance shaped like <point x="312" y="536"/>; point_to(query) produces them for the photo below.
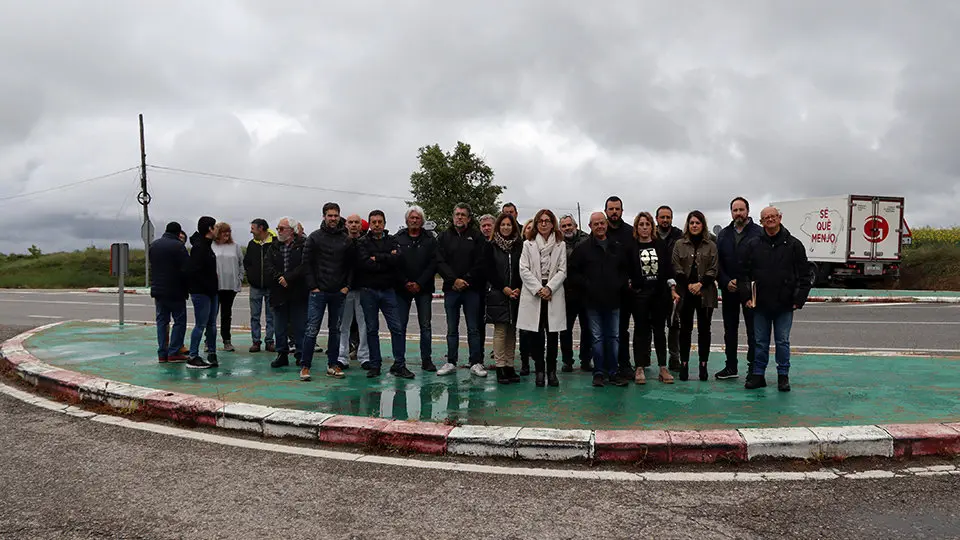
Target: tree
<point x="445" y="179"/>
<point x="34" y="251"/>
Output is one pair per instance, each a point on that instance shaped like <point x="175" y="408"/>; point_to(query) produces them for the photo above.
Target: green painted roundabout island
<point x="828" y="390"/>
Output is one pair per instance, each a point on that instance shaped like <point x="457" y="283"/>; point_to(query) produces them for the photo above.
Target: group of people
<point x="532" y="282"/>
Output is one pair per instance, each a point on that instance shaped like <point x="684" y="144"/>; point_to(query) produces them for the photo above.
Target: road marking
<point x="44" y="316"/>
<point x="450" y="466"/>
<point x="71" y="302"/>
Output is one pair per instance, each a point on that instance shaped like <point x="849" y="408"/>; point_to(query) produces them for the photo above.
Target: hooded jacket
<point x="460" y="256"/>
<point x="169" y="262"/>
<point x="203" y="266"/>
<point x="330" y="257"/>
<point x="254" y="262"/>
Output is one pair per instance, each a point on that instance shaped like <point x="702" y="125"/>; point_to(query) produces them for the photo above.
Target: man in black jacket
<point x="254" y="264"/>
<point x="460" y="264"/>
<point x="774" y="265"/>
<point x="168" y="287"/>
<point x="286" y="274"/>
<point x="619" y="231"/>
<point x="204" y="286"/>
<point x="573" y="237"/>
<point x="330" y="257"/>
<point x="600" y="269"/>
<point x="729" y="243"/>
<point x="670" y="234"/>
<point x="377" y="276"/>
<point x="418" y="266"/>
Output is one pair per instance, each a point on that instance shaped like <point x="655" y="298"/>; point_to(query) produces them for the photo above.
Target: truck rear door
<point x="875" y="230"/>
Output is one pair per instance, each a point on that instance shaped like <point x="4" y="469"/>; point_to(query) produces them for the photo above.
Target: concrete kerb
<point x="522" y="443"/>
<point x="844" y="299"/>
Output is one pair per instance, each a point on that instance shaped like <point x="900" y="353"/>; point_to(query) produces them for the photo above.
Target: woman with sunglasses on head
<point x="651" y="302"/>
<point x="543" y="310"/>
<point x="695" y="265"/>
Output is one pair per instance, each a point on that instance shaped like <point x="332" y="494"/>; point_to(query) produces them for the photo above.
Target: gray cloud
<point x="684" y="103"/>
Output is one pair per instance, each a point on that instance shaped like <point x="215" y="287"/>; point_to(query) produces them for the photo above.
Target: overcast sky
<point x="683" y="103"/>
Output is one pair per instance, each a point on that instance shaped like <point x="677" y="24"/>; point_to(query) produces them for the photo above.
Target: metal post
<point x="120" y="287"/>
<point x="144" y="198"/>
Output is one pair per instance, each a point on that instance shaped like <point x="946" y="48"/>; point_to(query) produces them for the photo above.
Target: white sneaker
<point x="477" y="369"/>
<point x="446" y="369"/>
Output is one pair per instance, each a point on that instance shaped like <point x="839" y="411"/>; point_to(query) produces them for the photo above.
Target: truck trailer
<point x="848" y="237"/>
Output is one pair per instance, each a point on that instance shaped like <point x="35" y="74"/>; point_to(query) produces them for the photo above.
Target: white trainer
<point x="446" y="369"/>
<point x="477" y="369"/>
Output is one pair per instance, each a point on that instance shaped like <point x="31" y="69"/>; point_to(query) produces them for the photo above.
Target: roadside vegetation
<point x="932" y="262"/>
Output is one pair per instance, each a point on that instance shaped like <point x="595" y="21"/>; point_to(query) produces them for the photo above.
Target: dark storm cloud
<point x="686" y="103"/>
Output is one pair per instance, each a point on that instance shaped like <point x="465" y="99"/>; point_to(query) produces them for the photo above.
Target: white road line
<point x="574" y="474"/>
<point x="44" y="316"/>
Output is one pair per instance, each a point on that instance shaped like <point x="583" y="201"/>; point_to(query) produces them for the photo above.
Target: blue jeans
<point x="320" y="302"/>
<point x="453" y="301"/>
<point x="781" y="322"/>
<point x="292" y="315"/>
<point x="605" y="333"/>
<point x="167" y="308"/>
<point x="374" y="301"/>
<point x="424" y="316"/>
<point x="259" y="299"/>
<point x="205" y="317"/>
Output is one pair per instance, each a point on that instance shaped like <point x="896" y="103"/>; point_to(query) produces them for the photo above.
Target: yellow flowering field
<point x="924" y="236"/>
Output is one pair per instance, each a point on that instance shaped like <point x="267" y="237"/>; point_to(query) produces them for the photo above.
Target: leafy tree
<point x="34" y="251"/>
<point x="446" y="178"/>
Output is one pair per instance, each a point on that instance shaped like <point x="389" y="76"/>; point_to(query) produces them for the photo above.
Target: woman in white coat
<point x="543" y="267"/>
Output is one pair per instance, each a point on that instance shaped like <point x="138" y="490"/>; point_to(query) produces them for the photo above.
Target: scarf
<point x="503" y="243"/>
<point x="546" y="248"/>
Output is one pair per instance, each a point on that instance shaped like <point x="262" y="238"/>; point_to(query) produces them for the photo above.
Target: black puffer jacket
<point x="418" y="261"/>
<point x="255" y="262"/>
<point x="382" y="273"/>
<point x="600" y="274"/>
<point x="502" y="269"/>
<point x="296" y="291"/>
<point x="203" y="266"/>
<point x="460" y="256"/>
<point x="168" y="268"/>
<point x="778" y="264"/>
<point x="330" y="256"/>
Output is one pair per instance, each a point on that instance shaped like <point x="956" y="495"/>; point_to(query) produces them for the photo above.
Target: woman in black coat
<point x="502" y="268"/>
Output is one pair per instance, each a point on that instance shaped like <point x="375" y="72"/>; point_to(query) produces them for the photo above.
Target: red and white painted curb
<point x="523" y="443"/>
<point x="853" y="299"/>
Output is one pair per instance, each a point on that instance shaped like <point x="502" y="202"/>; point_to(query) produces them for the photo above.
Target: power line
<point x="67" y="186"/>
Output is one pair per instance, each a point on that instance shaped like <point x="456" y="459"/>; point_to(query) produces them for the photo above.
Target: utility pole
<point x="146" y="231"/>
<point x="579" y="217"/>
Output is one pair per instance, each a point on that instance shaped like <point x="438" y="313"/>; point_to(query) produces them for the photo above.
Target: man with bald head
<point x="775" y="279"/>
<point x="352" y="322"/>
<point x="600" y="268"/>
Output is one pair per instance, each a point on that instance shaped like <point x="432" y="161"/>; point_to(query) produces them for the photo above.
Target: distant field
<point x="932" y="263"/>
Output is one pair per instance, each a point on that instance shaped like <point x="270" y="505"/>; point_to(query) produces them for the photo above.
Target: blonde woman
<point x="543" y="310"/>
<point x="230" y="275"/>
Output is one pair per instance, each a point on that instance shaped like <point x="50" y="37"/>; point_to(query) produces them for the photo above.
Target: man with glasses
<point x="573" y="237"/>
<point x="288" y="292"/>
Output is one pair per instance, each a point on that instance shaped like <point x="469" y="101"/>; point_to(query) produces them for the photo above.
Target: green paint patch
<point x="828" y="390"/>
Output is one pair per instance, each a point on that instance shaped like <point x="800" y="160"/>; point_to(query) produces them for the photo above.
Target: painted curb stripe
<point x="542" y="444"/>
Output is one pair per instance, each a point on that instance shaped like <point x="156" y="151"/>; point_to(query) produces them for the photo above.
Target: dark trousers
<point x="225" y="299"/>
<point x="290" y="324"/>
<point x="673" y="338"/>
<point x="543" y="341"/>
<point x="424" y="305"/>
<point x="623" y="355"/>
<point x="731" y="310"/>
<point x="576" y="311"/>
<point x="690" y="305"/>
<point x="649" y="316"/>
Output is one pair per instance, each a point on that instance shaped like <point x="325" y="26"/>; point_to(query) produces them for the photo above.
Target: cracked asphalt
<point x="63" y="477"/>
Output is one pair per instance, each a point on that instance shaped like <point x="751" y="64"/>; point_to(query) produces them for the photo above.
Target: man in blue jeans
<point x="599" y="269"/>
<point x="168" y="287"/>
<point x="204" y="286"/>
<point x="329" y="257"/>
<point x="376" y="276"/>
<point x="775" y="280"/>
<point x="460" y="264"/>
<point x="254" y="266"/>
<point x="418" y="265"/>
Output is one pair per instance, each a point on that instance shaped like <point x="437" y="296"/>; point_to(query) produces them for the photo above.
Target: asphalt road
<point x="63" y="477"/>
<point x="906" y="327"/>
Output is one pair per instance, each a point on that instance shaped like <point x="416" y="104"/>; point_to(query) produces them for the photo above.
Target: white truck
<point x="848" y="237"/>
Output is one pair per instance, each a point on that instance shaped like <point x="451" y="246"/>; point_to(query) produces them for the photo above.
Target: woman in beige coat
<point x="696" y="264"/>
<point x="543" y="268"/>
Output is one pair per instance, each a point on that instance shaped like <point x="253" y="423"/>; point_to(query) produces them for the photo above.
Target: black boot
<point x="540" y="379"/>
<point x="755" y="381"/>
<point x="567" y="368"/>
<point x="512" y="375"/>
<point x="552" y="378"/>
<point x="684" y="371"/>
<point x="281" y="360"/>
<point x="502" y="377"/>
<point x="703" y="371"/>
<point x="783" y="383"/>
<point x="524" y="366"/>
